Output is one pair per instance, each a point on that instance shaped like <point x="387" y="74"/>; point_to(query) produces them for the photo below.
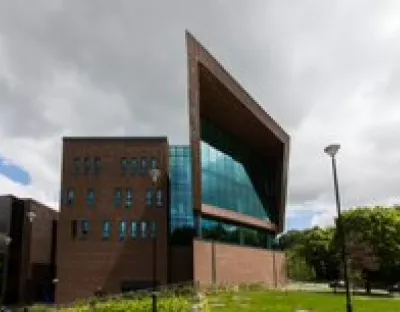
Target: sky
<point x="327" y="71"/>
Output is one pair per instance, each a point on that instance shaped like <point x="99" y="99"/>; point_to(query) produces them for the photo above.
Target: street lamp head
<point x="332" y="149"/>
<point x="7" y="240"/>
<point x="31" y="216"/>
<point x="155" y="175"/>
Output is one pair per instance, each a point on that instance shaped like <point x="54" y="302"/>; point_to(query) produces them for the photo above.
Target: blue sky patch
<point x="14" y="172"/>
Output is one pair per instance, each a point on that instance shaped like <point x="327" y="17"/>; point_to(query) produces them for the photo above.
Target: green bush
<point x="165" y="304"/>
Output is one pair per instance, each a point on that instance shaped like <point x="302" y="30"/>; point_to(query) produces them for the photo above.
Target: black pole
<point x="154" y="295"/>
<point x="341" y="236"/>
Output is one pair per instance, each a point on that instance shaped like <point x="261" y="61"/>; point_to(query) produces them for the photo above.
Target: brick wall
<point x="229" y="264"/>
<point x="83" y="266"/>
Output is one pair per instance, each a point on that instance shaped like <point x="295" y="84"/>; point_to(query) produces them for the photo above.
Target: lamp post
<point x="332" y="150"/>
<point x="155" y="175"/>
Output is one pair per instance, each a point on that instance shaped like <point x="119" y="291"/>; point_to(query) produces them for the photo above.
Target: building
<point x="238" y="160"/>
<point x="28" y="247"/>
<point x="212" y="216"/>
<point x="110" y="212"/>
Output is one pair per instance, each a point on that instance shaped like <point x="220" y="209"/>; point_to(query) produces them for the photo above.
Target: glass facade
<point x="181" y="205"/>
<point x="233" y="178"/>
<point x="235" y="234"/>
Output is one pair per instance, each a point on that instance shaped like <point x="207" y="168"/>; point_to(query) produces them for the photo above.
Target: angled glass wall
<point x="236" y="234"/>
<point x="233" y="177"/>
<point x="181" y="204"/>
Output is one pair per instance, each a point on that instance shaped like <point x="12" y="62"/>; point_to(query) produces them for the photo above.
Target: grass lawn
<point x="295" y="301"/>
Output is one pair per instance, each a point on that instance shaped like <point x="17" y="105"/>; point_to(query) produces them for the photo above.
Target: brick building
<point x="28" y="258"/>
<point x="110" y="211"/>
<point x="215" y="211"/>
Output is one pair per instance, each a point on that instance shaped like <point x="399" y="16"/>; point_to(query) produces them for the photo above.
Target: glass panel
<point x="117" y="197"/>
<point x="159" y="199"/>
<point x="134" y="229"/>
<point x="87" y="165"/>
<point x="143" y="166"/>
<point x="84" y="228"/>
<point x="77" y="165"/>
<point x="128" y="198"/>
<point x="97" y="165"/>
<point x="144" y="230"/>
<point x="232" y="176"/>
<point x="122" y="230"/>
<point x="124" y="165"/>
<point x="154" y="163"/>
<point x="149" y="197"/>
<point x="90" y="197"/>
<point x="134" y="166"/>
<point x="106" y="229"/>
<point x="70" y="197"/>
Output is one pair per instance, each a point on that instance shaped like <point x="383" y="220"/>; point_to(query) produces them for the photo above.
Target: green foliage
<point x="144" y="304"/>
<point x="372" y="241"/>
<point x="297" y="267"/>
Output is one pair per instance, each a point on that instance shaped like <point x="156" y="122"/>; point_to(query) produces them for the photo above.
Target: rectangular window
<point x="153" y="229"/>
<point x="149" y="197"/>
<point x="122" y="230"/>
<point x="128" y="198"/>
<point x="97" y="165"/>
<point x="70" y="197"/>
<point x="90" y="199"/>
<point x="117" y="197"/>
<point x="143" y="166"/>
<point x="134" y="166"/>
<point x="74" y="229"/>
<point x="84" y="230"/>
<point x="124" y="165"/>
<point x="154" y="163"/>
<point x="106" y="230"/>
<point x="77" y="165"/>
<point x="143" y="229"/>
<point x="159" y="198"/>
<point x="87" y="165"/>
<point x="134" y="229"/>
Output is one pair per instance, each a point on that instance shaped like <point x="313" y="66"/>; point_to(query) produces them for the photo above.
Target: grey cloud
<point x="326" y="71"/>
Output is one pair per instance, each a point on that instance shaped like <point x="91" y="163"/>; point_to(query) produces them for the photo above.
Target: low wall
<point x="229" y="264"/>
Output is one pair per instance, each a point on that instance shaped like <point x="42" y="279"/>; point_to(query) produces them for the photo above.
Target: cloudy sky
<point x="327" y="71"/>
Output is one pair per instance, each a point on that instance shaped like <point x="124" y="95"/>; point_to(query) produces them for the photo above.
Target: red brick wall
<point x="84" y="266"/>
<point x="237" y="264"/>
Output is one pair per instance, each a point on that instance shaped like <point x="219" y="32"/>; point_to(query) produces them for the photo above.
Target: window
<point x="106" y="230"/>
<point x="87" y="165"/>
<point x="90" y="199"/>
<point x="128" y="198"/>
<point x="134" y="166"/>
<point x="134" y="229"/>
<point x="74" y="229"/>
<point x="153" y="229"/>
<point x="84" y="231"/>
<point x="97" y="165"/>
<point x="124" y="165"/>
<point x="77" y="165"/>
<point x="117" y="197"/>
<point x="149" y="197"/>
<point x="122" y="230"/>
<point x="154" y="163"/>
<point x="143" y="166"/>
<point x="70" y="197"/>
<point x="159" y="199"/>
<point x="143" y="229"/>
